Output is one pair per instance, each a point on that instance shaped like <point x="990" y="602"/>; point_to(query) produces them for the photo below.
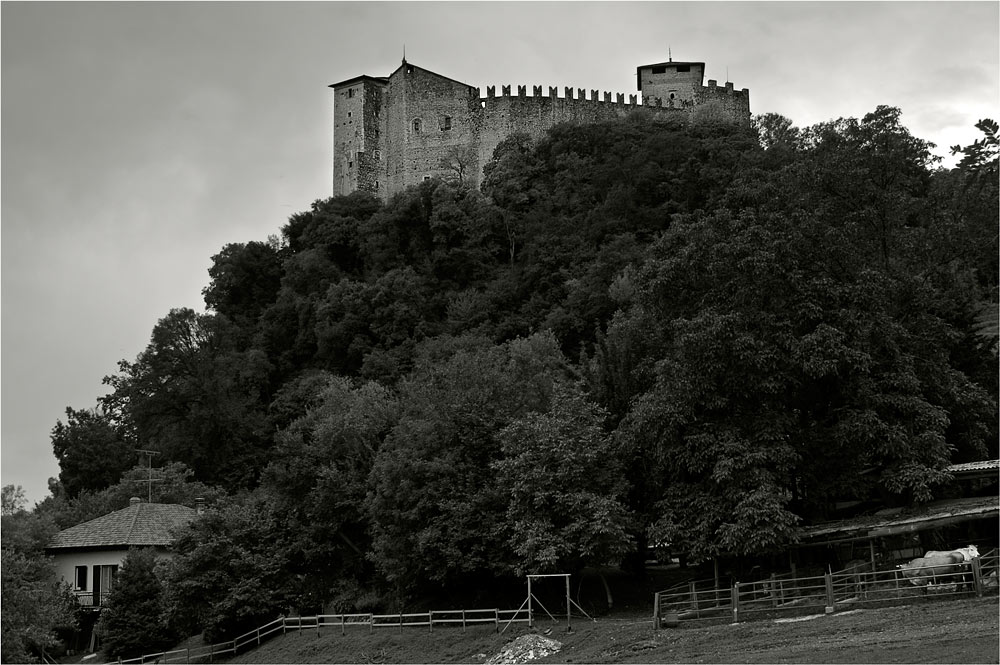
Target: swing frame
<point x="570" y="603"/>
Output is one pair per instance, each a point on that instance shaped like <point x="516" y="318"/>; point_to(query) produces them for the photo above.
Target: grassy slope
<point x="962" y="631"/>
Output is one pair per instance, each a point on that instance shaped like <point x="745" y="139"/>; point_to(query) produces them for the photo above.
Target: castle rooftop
<point x="363" y="77"/>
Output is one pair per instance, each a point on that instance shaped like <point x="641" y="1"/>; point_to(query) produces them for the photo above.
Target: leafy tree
<point x="230" y="571"/>
<point x="564" y="485"/>
<point x="800" y="341"/>
<point x="132" y="622"/>
<point x="436" y="516"/>
<point x="982" y="157"/>
<point x="245" y="280"/>
<point x="92" y="450"/>
<point x="195" y="398"/>
<point x="13" y="500"/>
<point x="35" y="605"/>
<point x="317" y="482"/>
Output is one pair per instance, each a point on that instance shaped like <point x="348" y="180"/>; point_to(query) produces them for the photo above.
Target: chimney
<point x="199" y="505"/>
<point x="134" y="500"/>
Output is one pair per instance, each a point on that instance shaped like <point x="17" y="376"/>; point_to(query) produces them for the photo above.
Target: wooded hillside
<point x="635" y="332"/>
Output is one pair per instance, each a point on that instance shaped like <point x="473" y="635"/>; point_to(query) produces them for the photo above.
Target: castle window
<point x="446" y="123"/>
<point x="672" y="95"/>
<point x="350" y="165"/>
<point x="350" y="93"/>
<point x="659" y="70"/>
<point x="427" y="177"/>
<point x="683" y="68"/>
<point x="417" y="126"/>
<point x="348" y="114"/>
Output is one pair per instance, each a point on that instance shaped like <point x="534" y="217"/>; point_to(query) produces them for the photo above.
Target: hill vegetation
<point x="636" y="332"/>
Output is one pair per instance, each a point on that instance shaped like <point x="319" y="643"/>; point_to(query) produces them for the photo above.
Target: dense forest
<point x="637" y="332"/>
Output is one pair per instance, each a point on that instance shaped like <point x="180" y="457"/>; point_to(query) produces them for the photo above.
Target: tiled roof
<point x="139" y="525"/>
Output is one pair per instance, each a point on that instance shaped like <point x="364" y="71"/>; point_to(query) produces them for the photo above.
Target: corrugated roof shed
<point x="937" y="513"/>
<point x="139" y="525"/>
<point x="981" y="465"/>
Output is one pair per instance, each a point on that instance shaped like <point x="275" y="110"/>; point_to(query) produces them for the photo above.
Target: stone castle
<point x="395" y="131"/>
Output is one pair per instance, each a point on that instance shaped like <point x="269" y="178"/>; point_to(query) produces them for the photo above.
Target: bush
<point x="133" y="621"/>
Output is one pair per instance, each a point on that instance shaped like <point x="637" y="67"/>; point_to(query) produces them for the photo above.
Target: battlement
<point x="713" y="88"/>
<point x="569" y="93"/>
<point x="596" y="96"/>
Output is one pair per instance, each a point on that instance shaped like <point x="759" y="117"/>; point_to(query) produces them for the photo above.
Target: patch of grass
<point x="957" y="631"/>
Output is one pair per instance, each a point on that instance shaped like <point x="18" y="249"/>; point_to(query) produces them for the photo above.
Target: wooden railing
<point x="829" y="593"/>
<point x="343" y="622"/>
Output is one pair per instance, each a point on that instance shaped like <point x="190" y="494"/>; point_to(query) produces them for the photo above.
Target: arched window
<point x="417" y="125"/>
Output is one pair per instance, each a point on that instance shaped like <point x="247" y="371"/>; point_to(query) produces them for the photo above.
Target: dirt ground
<point x="959" y="631"/>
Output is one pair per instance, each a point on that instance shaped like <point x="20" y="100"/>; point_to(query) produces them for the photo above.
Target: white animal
<point x="968" y="553"/>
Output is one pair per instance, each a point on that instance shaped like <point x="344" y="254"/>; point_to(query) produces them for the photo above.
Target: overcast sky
<point x="138" y="139"/>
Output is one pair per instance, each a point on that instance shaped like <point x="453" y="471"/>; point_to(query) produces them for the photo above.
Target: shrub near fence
<point x="785" y="596"/>
<point x="253" y="639"/>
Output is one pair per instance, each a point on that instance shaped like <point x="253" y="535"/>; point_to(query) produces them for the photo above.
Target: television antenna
<point x="149" y="465"/>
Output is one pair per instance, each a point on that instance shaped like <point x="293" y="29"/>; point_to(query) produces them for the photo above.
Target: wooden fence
<point x="783" y="595"/>
<point x="336" y="622"/>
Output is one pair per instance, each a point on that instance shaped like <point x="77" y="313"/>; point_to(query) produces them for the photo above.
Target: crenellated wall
<point x="415" y="123"/>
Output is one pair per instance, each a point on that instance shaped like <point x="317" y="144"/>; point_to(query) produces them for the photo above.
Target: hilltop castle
<point x="392" y="132"/>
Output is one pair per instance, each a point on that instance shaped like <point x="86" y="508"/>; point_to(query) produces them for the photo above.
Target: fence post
<point x="430" y="620"/>
<point x="977" y="576"/>
<point x="463" y="619"/>
<point x="211" y="653"/>
<point x="736" y="602"/>
<point x="258" y="640"/>
<point x="496" y="618"/>
<point x="774" y="590"/>
<point x="830" y="601"/>
<point x="656" y="611"/>
<point x="187" y="656"/>
<point x="341" y="624"/>
<point x="693" y="590"/>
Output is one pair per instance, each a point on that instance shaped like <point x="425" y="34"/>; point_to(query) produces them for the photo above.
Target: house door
<point x="104" y="581"/>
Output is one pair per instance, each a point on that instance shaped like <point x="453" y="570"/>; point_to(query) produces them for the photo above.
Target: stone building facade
<point x="395" y="131"/>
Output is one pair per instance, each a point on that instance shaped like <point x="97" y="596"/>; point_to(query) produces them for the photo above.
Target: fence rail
<point x="832" y="592"/>
<point x="254" y="638"/>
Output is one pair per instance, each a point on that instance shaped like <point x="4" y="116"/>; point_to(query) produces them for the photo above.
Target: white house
<point x="88" y="555"/>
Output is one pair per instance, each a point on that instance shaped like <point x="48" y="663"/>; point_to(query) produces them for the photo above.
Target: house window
<point x="417" y="125"/>
<point x="80" y="578"/>
<point x="446" y="123"/>
<point x="108" y="575"/>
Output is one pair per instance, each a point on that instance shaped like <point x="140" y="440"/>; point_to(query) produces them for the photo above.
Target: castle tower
<point x="675" y="83"/>
<point x="357" y="110"/>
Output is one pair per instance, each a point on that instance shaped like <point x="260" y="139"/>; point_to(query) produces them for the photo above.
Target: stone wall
<point x="427" y="116"/>
<point x="394" y="132"/>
